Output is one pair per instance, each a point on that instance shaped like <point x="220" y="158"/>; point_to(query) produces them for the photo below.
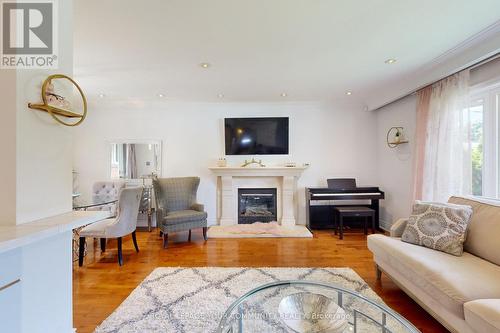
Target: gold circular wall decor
<point x="395" y="136"/>
<point x="63" y="108"/>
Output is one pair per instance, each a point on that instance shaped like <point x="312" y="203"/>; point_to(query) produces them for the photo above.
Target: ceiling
<point x="258" y="50"/>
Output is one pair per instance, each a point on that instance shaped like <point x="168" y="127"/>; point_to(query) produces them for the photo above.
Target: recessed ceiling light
<point x="205" y="65"/>
<point x="161" y="95"/>
<point x="348" y="93"/>
<point x="390" y="61"/>
<point x="101" y="95"/>
<point x="220" y="95"/>
<point x="284" y="94"/>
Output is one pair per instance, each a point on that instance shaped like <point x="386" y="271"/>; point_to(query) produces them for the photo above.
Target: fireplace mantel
<point x="226" y="197"/>
<point x="258" y="171"/>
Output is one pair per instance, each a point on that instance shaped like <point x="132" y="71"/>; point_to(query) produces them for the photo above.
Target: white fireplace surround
<point x="284" y="179"/>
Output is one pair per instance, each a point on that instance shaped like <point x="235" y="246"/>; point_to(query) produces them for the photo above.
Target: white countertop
<point x="15" y="236"/>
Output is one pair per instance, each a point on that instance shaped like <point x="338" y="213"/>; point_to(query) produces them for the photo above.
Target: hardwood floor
<point x="101" y="285"/>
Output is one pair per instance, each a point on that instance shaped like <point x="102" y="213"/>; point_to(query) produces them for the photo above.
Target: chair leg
<point x="205" y="233"/>
<point x="373" y="224"/>
<point x="120" y="256"/>
<point x="366" y="224"/>
<point x="81" y="251"/>
<point x="189" y="237"/>
<point x="103" y="244"/>
<point x="135" y="241"/>
<point x="165" y="240"/>
<point x="161" y="233"/>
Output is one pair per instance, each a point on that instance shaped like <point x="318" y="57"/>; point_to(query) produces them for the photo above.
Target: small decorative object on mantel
<point x="221" y="162"/>
<point x="56" y="92"/>
<point x="253" y="161"/>
<point x="396" y="137"/>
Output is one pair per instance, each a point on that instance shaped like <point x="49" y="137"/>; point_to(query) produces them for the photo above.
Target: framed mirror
<point x="135" y="160"/>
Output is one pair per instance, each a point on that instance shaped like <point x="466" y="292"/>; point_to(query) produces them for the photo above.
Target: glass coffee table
<point x="312" y="307"/>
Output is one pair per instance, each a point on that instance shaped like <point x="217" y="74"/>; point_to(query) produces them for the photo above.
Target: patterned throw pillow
<point x="438" y="226"/>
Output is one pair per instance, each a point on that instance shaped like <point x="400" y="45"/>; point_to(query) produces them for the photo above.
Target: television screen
<point x="256" y="136"/>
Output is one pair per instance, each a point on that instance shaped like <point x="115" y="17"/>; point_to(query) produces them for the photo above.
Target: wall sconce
<point x="396" y="137"/>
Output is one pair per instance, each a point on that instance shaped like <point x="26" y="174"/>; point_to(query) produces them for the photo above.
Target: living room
<point x="257" y="166"/>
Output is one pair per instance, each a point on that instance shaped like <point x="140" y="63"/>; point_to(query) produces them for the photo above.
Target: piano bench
<point x="353" y="211"/>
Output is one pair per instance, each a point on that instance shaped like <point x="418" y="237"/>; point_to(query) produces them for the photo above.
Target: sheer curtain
<point x="131" y="162"/>
<point x="443" y="164"/>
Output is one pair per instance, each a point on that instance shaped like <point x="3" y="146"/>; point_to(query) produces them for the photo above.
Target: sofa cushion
<point x="438" y="226"/>
<point x="483" y="315"/>
<point x="183" y="216"/>
<point x="483" y="233"/>
<point x="450" y="280"/>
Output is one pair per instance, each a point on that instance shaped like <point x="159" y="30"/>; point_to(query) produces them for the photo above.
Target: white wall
<point x="44" y="154"/>
<point x="37" y="153"/>
<point x="395" y="165"/>
<point x="336" y="141"/>
<point x="8" y="139"/>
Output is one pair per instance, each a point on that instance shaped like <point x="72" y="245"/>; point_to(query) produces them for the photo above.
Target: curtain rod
<point x="471" y="66"/>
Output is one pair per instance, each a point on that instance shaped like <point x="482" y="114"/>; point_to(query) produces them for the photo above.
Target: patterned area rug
<point x="194" y="299"/>
<point x="258" y="230"/>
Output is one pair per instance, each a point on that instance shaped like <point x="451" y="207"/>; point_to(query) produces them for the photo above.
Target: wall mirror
<point x="135" y="160"/>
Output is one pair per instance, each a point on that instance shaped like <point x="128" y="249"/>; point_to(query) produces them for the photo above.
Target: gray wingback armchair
<point x="177" y="209"/>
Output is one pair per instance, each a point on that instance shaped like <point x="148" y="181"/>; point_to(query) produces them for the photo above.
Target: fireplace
<point x="256" y="205"/>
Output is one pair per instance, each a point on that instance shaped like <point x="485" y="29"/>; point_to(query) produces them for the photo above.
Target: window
<point x="114" y="153"/>
<point x="115" y="165"/>
<point x="476" y="135"/>
<point x="484" y="134"/>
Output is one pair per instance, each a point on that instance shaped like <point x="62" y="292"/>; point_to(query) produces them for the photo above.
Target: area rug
<point x="194" y="299"/>
<point x="258" y="230"/>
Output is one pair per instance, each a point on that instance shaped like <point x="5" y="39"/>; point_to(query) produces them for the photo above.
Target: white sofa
<point x="463" y="293"/>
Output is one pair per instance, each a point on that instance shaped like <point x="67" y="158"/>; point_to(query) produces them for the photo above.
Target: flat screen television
<point x="256" y="136"/>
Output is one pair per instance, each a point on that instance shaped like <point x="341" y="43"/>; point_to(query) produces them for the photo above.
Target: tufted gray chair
<point x="177" y="209"/>
<point x="123" y="224"/>
<point x="104" y="191"/>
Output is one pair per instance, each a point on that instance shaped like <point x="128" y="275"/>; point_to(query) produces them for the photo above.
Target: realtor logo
<point x="28" y="35"/>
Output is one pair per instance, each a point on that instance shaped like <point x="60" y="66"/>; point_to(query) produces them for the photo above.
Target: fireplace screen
<point x="256" y="205"/>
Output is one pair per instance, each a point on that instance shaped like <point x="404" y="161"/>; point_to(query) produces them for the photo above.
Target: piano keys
<point x="321" y="201"/>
